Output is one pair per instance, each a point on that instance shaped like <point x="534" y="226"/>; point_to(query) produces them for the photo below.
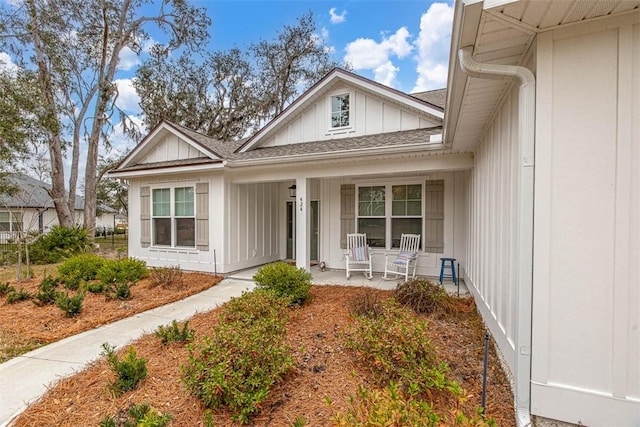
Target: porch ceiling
<point x="502" y="32"/>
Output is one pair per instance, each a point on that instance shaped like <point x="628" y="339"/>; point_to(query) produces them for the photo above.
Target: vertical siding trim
<point x="347" y="212"/>
<point x="202" y="216"/>
<point x="145" y="217"/>
<point x="434" y="216"/>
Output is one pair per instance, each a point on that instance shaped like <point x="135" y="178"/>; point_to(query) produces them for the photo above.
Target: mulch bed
<point x="25" y="321"/>
<point x="324" y="369"/>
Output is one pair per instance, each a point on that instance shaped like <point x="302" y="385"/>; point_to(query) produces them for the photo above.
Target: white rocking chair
<point x="405" y="260"/>
<point x="358" y="255"/>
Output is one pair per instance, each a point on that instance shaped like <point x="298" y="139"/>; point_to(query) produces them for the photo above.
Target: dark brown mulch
<point x="324" y="369"/>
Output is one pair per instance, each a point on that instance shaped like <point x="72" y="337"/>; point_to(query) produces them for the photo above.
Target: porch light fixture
<point x="292" y="191"/>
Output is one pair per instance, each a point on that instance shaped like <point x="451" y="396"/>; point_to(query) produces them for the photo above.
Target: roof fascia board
<point x="165" y="170"/>
<point x="142" y="146"/>
<point x="339" y="74"/>
<point x="466" y="23"/>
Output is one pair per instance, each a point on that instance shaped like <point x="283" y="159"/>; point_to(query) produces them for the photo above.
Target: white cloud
<point x="128" y="59"/>
<point x="128" y="98"/>
<point x="335" y="18"/>
<point x="367" y="54"/>
<point x="433" y="47"/>
<point x="7" y="64"/>
<point x="121" y="143"/>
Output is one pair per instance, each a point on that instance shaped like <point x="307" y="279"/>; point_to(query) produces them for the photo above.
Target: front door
<point x="291" y="230"/>
<point x="314" y="231"/>
<point x="315" y="222"/>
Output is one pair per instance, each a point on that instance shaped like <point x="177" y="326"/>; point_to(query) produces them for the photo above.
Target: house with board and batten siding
<point x="529" y="176"/>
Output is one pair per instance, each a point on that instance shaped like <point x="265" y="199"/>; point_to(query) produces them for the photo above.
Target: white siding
<point x="491" y="254"/>
<point x="172" y="148"/>
<point x="252" y="232"/>
<point x="370" y="114"/>
<point x="586" y="353"/>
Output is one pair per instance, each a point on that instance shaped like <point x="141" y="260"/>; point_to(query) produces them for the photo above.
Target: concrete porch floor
<point x="338" y="277"/>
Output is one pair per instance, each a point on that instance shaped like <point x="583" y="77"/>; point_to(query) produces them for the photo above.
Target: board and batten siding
<point x="491" y="244"/>
<point x="172" y="148"/>
<point x="586" y="311"/>
<point x="370" y="114"/>
<point x="252" y="231"/>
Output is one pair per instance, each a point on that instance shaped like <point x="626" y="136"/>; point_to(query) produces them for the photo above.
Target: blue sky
<point x="400" y="43"/>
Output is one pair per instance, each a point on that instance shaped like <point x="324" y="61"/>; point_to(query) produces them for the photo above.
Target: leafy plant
<point x="244" y="357"/>
<point x="59" y="243"/>
<point x="126" y="270"/>
<point x="72" y="306"/>
<point x="72" y="283"/>
<point x="367" y="303"/>
<point x="81" y="267"/>
<point x="47" y="292"/>
<point x="174" y="333"/>
<point x="121" y="291"/>
<point x="424" y="296"/>
<point x="130" y="371"/>
<point x="167" y="277"/>
<point x="285" y="280"/>
<point x="95" y="287"/>
<point x="141" y="415"/>
<point x="18" y="296"/>
<point x="6" y="288"/>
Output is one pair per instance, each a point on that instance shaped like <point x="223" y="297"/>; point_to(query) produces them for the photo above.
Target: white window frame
<point x="351" y="110"/>
<point x="14" y="218"/>
<point x="389" y="209"/>
<point x="172" y="214"/>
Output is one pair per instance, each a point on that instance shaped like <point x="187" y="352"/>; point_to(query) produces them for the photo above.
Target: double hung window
<point x="385" y="212"/>
<point x="10" y="221"/>
<point x="173" y="213"/>
<point x="340" y="111"/>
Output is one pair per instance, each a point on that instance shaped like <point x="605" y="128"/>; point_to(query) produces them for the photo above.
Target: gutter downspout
<point x="524" y="236"/>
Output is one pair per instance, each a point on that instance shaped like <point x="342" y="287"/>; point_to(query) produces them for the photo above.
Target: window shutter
<point x="434" y="216"/>
<point x="202" y="216"/>
<point x="145" y="217"/>
<point x="347" y="212"/>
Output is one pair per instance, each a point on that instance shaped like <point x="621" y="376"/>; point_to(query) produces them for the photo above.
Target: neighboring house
<point x="31" y="208"/>
<point x="557" y="285"/>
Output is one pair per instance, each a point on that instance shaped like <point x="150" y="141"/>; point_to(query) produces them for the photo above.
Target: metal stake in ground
<point x="484" y="371"/>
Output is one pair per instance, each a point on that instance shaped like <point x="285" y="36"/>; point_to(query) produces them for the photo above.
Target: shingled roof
<point x="437" y="97"/>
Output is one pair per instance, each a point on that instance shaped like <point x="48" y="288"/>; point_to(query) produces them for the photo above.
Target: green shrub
<point x="121" y="291"/>
<point x="81" y="267"/>
<point x="72" y="284"/>
<point x="18" y="296"/>
<point x="394" y="347"/>
<point x="47" y="290"/>
<point x="285" y="280"/>
<point x="95" y="287"/>
<point x="367" y="303"/>
<point x="424" y="297"/>
<point x="389" y="406"/>
<point x="141" y="415"/>
<point x="167" y="277"/>
<point x="126" y="270"/>
<point x="6" y="288"/>
<point x="244" y="357"/>
<point x="174" y="333"/>
<point x="131" y="370"/>
<point x="59" y="243"/>
<point x="71" y="306"/>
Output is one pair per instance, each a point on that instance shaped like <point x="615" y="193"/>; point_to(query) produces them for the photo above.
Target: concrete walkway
<point x="24" y="379"/>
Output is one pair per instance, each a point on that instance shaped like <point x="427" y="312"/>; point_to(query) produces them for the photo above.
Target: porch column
<point x="303" y="224"/>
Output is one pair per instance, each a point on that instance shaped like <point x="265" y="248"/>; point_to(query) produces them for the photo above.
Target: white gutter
<point x="524" y="237"/>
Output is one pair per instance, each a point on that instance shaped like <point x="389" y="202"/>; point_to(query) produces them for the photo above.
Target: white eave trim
<point x="166" y="170"/>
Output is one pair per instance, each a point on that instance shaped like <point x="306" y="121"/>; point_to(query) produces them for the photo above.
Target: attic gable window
<point x="340" y="111"/>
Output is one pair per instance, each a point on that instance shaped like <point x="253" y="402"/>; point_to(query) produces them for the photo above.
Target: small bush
<point x="72" y="284"/>
<point x="95" y="287"/>
<point x="167" y="277"/>
<point x="6" y="288"/>
<point x="47" y="292"/>
<point x="244" y="357"/>
<point x="59" y="243"/>
<point x="18" y="296"/>
<point x="424" y="297"/>
<point x="71" y="306"/>
<point x="126" y="270"/>
<point x="121" y="291"/>
<point x="285" y="280"/>
<point x="389" y="406"/>
<point x="367" y="303"/>
<point x="131" y="370"/>
<point x="81" y="267"/>
<point x="174" y="333"/>
<point x="141" y="415"/>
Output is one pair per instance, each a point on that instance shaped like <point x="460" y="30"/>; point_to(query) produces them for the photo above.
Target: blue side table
<point x="448" y="271"/>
